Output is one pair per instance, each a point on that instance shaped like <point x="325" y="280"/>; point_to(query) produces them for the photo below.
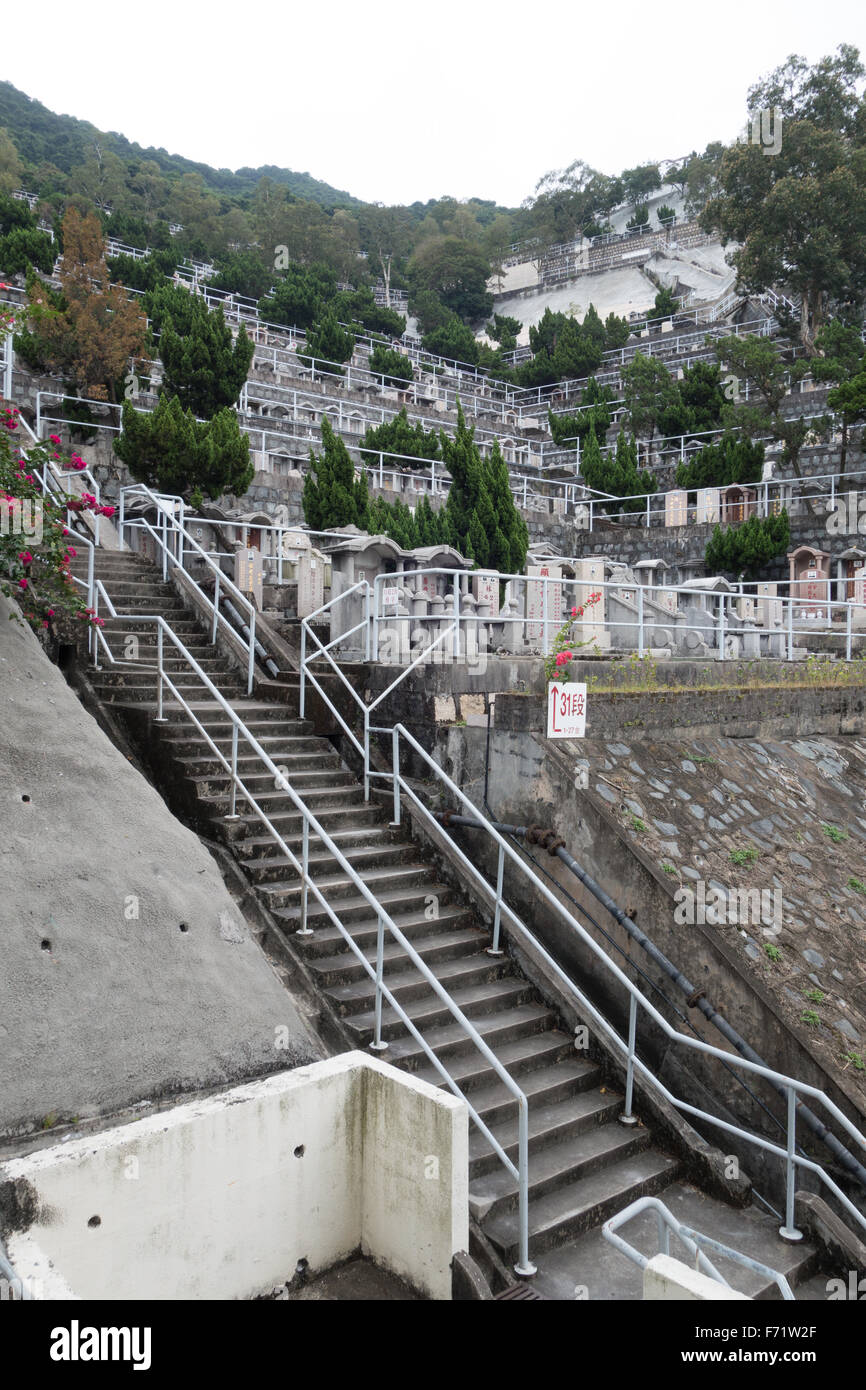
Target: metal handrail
<point x="186" y="543"/>
<point x="633" y="1063"/>
<point x="239" y="730"/>
<point x="691" y="1239"/>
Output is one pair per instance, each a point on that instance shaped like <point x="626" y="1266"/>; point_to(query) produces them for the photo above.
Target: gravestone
<point x="708" y="505"/>
<point x="676" y="508"/>
<point x="249" y="573"/>
<point x="539" y="633"/>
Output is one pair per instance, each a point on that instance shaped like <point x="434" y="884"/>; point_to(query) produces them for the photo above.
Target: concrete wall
<point x="666" y="1280"/>
<point x="221" y="1198"/>
<point x="128" y="973"/>
<point x="530" y="780"/>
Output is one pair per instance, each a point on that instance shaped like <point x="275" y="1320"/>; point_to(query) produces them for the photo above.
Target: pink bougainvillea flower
<point x="25" y="556"/>
<point x="55" y="438"/>
<point x="22" y="583"/>
<point x="574" y="612"/>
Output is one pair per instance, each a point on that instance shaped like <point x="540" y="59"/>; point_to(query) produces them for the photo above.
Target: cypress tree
<point x="202" y="365"/>
<point x="332" y="495"/>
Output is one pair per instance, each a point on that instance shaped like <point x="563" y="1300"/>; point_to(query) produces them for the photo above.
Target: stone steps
<point x="584" y="1166"/>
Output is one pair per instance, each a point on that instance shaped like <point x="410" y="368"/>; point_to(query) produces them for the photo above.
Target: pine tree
<point x="463" y="462"/>
<point x="171" y="450"/>
<point x="202" y="364"/>
<point x="328" y="345"/>
<point x="510" y="536"/>
<point x="332" y="495"/>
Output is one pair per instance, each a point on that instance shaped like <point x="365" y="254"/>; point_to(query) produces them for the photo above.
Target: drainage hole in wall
<point x="301" y="1266"/>
<point x="25" y="798"/>
<point x="95" y="1221"/>
<point x="299" y="1151"/>
<point x="184" y="926"/>
<point x="45" y="944"/>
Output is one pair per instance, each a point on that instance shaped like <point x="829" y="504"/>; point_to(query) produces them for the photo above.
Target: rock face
<point x="127" y="970"/>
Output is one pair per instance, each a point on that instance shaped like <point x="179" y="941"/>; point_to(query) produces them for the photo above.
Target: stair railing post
<point x="395" y="768"/>
<point x="367" y="620"/>
<point x="164" y="545"/>
<point x="216" y="607"/>
<point x="790" y="623"/>
<point x="95" y="606"/>
<point x="494" y="948"/>
<point x="160" y="718"/>
<point x="232" y="815"/>
<point x="789" y="1230"/>
<point x="366" y="753"/>
<point x="377" y="1045"/>
<point x="627" y="1118"/>
<point x="524" y="1267"/>
<point x="544" y="591"/>
<point x="721" y="656"/>
<point x="455" y="646"/>
<point x="848" y="607"/>
<point x="121" y="518"/>
<point x="303" y="693"/>
<point x="303" y="929"/>
<point x="252" y="657"/>
<point x="640" y="637"/>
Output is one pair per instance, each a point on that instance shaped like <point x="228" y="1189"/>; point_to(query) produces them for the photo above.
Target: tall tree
<point x="98" y="332"/>
<point x="842" y="362"/>
<point x="799" y="215"/>
<point x="756" y="361"/>
<point x="385" y="235"/>
<point x="333" y="496"/>
<point x="171" y="450"/>
<point x="202" y="364"/>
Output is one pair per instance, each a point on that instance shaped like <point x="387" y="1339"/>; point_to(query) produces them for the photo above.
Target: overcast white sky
<point x="396" y="100"/>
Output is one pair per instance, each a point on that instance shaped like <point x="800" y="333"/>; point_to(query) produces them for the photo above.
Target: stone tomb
<point x="810" y="583"/>
<point x="303" y="564"/>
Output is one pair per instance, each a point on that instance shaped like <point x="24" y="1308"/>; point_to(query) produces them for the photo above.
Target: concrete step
<point x="545" y="1085"/>
<point x="329" y="817"/>
<point x="281" y="748"/>
<point x="566" y="1212"/>
<point x="355" y="909"/>
<point x="547" y="1125"/>
<point x="278" y="803"/>
<point x="337" y="886"/>
<point x="555" y="1166"/>
<point x="538" y="1050"/>
<point x="450" y="1040"/>
<point x="262" y="783"/>
<point x="327" y="942"/>
<point x="343" y="968"/>
<point x="609" y="1275"/>
<point x="295" y="764"/>
<point x="407" y="985"/>
<point x="362" y="857"/>
<point x="428" y="1012"/>
<point x="263" y="847"/>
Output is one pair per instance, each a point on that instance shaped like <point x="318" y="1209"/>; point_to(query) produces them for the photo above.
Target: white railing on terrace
<point x="507" y="855"/>
<point x="243" y="739"/>
<point x="794" y="1090"/>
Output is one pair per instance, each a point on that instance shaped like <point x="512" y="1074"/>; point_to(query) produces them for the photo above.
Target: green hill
<point x="43" y="137"/>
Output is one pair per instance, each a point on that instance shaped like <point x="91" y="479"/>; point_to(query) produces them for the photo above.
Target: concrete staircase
<point x="584" y="1165"/>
